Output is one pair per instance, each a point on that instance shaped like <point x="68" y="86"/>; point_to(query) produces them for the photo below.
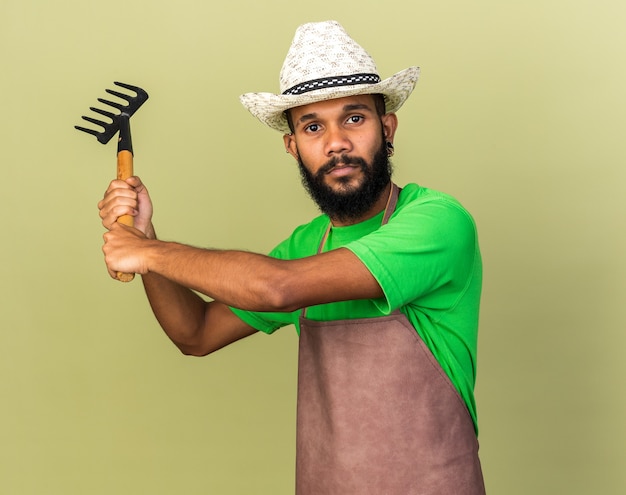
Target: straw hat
<point x="322" y="63"/>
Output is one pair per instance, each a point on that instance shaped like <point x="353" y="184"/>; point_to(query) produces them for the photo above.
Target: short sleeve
<point x="424" y="255"/>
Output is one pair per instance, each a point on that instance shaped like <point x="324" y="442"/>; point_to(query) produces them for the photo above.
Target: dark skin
<point x="171" y="272"/>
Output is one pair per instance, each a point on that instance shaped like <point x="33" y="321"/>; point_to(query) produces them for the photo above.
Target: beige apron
<point x="377" y="414"/>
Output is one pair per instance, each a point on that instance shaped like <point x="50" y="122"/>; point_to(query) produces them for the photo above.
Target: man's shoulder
<point x="419" y="202"/>
<point x="414" y="193"/>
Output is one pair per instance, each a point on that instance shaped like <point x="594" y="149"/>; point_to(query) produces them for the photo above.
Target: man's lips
<point x="342" y="169"/>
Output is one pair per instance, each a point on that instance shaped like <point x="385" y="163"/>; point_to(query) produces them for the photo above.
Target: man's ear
<point x="390" y="124"/>
<point x="290" y="145"/>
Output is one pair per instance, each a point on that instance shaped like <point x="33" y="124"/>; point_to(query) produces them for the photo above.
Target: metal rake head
<point x="111" y="128"/>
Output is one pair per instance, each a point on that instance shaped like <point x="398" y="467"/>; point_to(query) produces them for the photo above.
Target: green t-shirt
<point x="427" y="262"/>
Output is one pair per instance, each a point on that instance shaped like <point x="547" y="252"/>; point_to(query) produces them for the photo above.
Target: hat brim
<point x="269" y="108"/>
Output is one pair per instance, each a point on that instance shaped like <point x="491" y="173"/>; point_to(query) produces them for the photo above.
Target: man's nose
<point x="337" y="141"/>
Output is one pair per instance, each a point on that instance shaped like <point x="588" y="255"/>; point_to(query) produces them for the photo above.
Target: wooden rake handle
<point x="124" y="171"/>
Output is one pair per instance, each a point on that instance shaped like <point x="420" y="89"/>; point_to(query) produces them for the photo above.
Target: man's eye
<point x="354" y="119"/>
<point x="312" y="128"/>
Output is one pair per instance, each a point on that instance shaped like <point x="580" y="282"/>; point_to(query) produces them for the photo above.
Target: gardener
<point x="383" y="287"/>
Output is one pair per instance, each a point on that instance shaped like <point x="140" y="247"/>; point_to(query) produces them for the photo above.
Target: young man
<point x="383" y="287"/>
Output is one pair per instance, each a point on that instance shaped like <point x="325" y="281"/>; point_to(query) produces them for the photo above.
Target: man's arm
<point x="195" y="326"/>
<point x="172" y="272"/>
<point x="245" y="280"/>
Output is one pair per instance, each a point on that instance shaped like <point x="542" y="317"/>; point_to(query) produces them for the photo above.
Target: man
<point x="383" y="287"/>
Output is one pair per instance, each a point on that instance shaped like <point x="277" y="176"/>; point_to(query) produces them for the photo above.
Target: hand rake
<point x="119" y="122"/>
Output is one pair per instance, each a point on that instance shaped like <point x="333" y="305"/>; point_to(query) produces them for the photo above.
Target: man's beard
<point x="352" y="202"/>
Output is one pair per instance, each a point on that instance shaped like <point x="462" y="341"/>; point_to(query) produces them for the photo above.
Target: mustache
<point x="344" y="160"/>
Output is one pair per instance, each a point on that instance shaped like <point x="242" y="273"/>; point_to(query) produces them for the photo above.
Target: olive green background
<point x="520" y="113"/>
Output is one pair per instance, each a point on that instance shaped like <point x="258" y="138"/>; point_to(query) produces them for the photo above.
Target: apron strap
<point x="392" y="201"/>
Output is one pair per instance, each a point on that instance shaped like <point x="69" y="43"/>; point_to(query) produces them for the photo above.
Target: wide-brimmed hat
<point x="323" y="63"/>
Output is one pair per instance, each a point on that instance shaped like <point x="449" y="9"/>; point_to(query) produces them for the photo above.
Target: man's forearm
<point x="241" y="279"/>
<point x="236" y="278"/>
<point x="179" y="311"/>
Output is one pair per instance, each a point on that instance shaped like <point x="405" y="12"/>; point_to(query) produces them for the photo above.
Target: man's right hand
<point x="129" y="197"/>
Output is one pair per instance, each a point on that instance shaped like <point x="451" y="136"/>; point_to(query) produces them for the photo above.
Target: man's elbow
<point x="196" y="347"/>
<point x="194" y="351"/>
<point x="281" y="296"/>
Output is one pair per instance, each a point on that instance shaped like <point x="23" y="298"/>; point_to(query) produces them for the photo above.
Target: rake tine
<point x="104" y="112"/>
<point x="88" y="131"/>
<point x="112" y="104"/>
<point x="95" y="121"/>
<point x="136" y="89"/>
<point x="119" y="95"/>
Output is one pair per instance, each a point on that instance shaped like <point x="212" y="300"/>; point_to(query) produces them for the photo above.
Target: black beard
<point x="351" y="203"/>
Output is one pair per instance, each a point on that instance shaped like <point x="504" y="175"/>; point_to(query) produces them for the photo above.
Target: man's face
<point x="340" y="147"/>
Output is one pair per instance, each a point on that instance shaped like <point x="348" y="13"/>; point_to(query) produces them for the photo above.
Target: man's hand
<point x="128" y="197"/>
<point x="122" y="245"/>
<point x="124" y="250"/>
